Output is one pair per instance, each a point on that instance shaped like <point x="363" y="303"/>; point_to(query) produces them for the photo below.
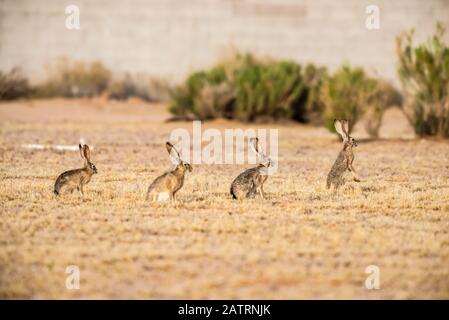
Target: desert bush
<point x="383" y="97"/>
<point x="180" y="102"/>
<point x="137" y="85"/>
<point x="244" y="88"/>
<point x="268" y="90"/>
<point x="424" y="73"/>
<point x="201" y="95"/>
<point x="214" y="100"/>
<point x="350" y="94"/>
<point x="345" y="94"/>
<point x="159" y="89"/>
<point x="248" y="89"/>
<point x="13" y="85"/>
<point x="310" y="108"/>
<point x="69" y="78"/>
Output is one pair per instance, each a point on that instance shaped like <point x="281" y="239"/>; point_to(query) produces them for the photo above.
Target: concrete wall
<point x="168" y="38"/>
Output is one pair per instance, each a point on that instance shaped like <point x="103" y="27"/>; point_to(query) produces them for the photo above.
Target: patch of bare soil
<point x="90" y="110"/>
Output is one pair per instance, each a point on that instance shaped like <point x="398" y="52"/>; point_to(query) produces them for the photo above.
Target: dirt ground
<point x="303" y="241"/>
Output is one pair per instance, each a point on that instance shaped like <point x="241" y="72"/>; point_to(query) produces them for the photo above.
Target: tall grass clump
<point x="13" y="85"/>
<point x="424" y="73"/>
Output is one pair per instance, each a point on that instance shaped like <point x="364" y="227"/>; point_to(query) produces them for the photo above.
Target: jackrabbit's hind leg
<point x="252" y="191"/>
<point x="261" y="192"/>
<point x="340" y="182"/>
<point x="354" y="173"/>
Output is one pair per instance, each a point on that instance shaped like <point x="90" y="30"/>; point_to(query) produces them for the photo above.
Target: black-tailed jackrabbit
<point x="76" y="178"/>
<point x="251" y="181"/>
<point x="345" y="157"/>
<point x="167" y="185"/>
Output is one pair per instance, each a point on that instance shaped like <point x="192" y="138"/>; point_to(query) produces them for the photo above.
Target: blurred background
<point x="307" y="61"/>
<point x="170" y="38"/>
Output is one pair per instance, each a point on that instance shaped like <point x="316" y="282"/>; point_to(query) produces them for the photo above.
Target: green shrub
<point x="180" y="102"/>
<point x="13" y="85"/>
<point x="214" y="100"/>
<point x="247" y="89"/>
<point x="424" y="73"/>
<point x="243" y="88"/>
<point x="270" y="89"/>
<point x="345" y="94"/>
<point x="350" y="94"/>
<point x="310" y="107"/>
<point x="199" y="96"/>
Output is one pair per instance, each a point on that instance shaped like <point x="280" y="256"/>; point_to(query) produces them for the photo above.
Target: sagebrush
<point x="424" y="73"/>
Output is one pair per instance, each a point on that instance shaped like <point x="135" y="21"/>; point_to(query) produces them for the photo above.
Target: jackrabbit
<point x="76" y="178"/>
<point x="251" y="181"/>
<point x="167" y="185"/>
<point x="345" y="157"/>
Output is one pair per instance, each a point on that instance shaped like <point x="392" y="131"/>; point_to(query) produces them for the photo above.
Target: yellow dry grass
<point x="302" y="242"/>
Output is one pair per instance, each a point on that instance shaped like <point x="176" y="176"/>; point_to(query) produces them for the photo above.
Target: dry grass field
<point x="303" y="241"/>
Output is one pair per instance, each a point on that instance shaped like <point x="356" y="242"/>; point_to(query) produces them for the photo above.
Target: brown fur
<point x="345" y="157"/>
<point x="170" y="182"/>
<point x="77" y="178"/>
<point x="251" y="181"/>
<point x="248" y="183"/>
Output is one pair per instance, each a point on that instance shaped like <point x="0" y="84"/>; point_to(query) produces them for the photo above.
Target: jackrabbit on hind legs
<point x="345" y="157"/>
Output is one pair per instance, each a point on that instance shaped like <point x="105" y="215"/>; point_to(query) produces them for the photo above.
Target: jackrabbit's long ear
<point x="346" y="127"/>
<point x="81" y="151"/>
<point x="174" y="154"/>
<point x="340" y="127"/>
<point x="254" y="144"/>
<point x="86" y="152"/>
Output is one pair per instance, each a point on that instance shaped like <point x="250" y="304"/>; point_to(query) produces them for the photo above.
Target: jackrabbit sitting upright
<point x="345" y="157"/>
<point x="251" y="181"/>
<point x="76" y="178"/>
<point x="167" y="185"/>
